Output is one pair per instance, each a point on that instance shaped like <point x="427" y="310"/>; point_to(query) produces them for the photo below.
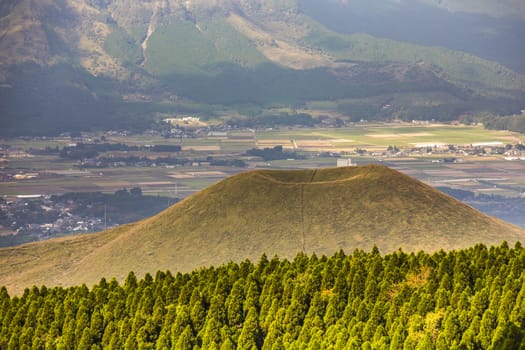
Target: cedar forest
<point x="465" y="299"/>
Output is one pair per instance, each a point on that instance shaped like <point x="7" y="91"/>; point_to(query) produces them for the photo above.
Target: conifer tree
<point x="86" y="340"/>
<point x="185" y="340"/>
<point x="228" y="345"/>
<point x="211" y="335"/>
<point x="426" y="343"/>
<point x="234" y="304"/>
<point x="250" y="337"/>
<point x="273" y="338"/>
<point x="487" y="325"/>
<point x="198" y="314"/>
<point x="131" y="342"/>
<point x="182" y="321"/>
<point x="508" y="336"/>
<point x="109" y="331"/>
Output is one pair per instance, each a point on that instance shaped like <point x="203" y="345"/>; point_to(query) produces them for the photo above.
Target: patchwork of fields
<point x="363" y="143"/>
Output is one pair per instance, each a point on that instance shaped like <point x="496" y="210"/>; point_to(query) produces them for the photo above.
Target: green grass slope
<point x="271" y="212"/>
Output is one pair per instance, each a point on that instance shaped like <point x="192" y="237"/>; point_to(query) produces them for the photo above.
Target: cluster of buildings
<point x="510" y="152"/>
<point x="41" y="217"/>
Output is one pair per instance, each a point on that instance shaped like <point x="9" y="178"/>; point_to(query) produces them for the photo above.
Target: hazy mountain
<point x="493" y="8"/>
<point x="492" y="30"/>
<point x="81" y="64"/>
<point x="500" y="8"/>
<point x="271" y="212"/>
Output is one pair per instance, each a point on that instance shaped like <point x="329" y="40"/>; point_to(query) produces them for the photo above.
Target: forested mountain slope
<point x="270" y="212"/>
<point x="132" y="62"/>
<point x="466" y="299"/>
<point x="489" y="29"/>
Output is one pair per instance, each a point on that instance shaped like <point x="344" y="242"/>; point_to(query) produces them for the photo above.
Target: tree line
<point x="92" y="150"/>
<point x="467" y="299"/>
<point x="513" y="123"/>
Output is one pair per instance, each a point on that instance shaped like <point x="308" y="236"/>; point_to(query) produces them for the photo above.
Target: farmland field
<point x="317" y="147"/>
<point x="378" y="136"/>
<point x="465" y="158"/>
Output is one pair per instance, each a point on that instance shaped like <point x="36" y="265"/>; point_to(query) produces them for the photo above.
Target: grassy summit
<point x="265" y="211"/>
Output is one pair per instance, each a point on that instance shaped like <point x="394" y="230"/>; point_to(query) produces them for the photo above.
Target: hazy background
<point x="499" y="38"/>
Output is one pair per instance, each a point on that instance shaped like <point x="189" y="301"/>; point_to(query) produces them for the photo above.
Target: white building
<point x="342" y="162"/>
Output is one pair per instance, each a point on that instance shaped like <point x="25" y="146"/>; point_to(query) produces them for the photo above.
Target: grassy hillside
<point x="272" y="212"/>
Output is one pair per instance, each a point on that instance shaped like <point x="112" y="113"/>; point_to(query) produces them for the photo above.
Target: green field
<point x="402" y="136"/>
<point x="358" y="135"/>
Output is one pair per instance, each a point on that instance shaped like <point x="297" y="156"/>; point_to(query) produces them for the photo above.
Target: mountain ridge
<point x="226" y="53"/>
<point x="82" y="28"/>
